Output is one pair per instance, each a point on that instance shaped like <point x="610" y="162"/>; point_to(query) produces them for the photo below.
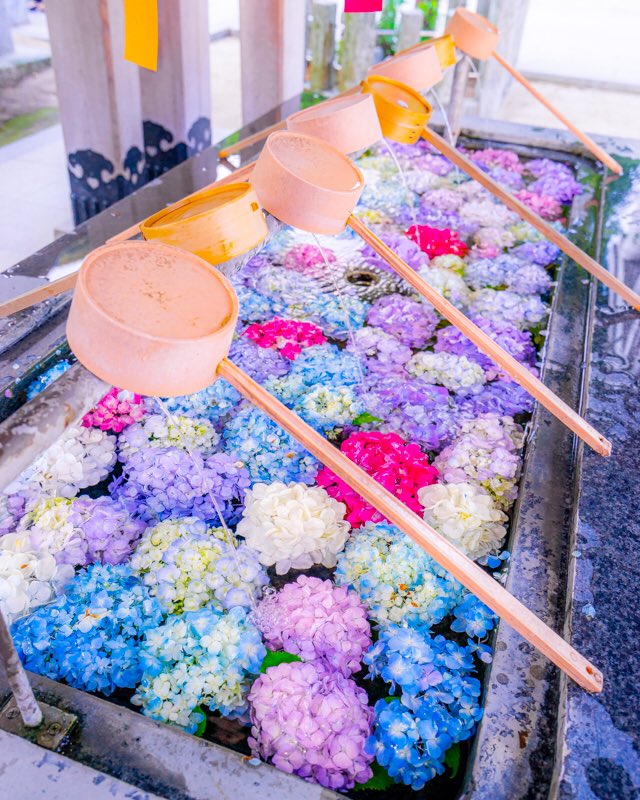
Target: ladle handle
<point x="476" y="580"/>
<point x="254" y="138"/>
<point x="568" y="247"/>
<point x="37" y="295"/>
<point x="511" y="366"/>
<point x="587" y="141"/>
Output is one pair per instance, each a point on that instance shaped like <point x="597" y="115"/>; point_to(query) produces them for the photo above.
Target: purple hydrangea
<point x="382" y="351"/>
<point x="109" y="532"/>
<point x="505" y="398"/>
<point x="165" y="482"/>
<point x="402" y="246"/>
<point x="317" y="621"/>
<point x="312" y="723"/>
<point x="411" y="322"/>
<point x="260" y="363"/>
<point x="542" y="253"/>
<point x="553" y="179"/>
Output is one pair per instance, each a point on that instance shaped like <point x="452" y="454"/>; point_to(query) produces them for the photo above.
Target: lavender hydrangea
<point x="318" y="621"/>
<point x="542" y="253"/>
<point x="163" y="482"/>
<point x="260" y="363"/>
<point x="413" y="323"/>
<point x="326" y="745"/>
<point x="382" y="351"/>
<point x="518" y="310"/>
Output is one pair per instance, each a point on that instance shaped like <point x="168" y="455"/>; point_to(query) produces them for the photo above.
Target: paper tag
<point x="141" y="33"/>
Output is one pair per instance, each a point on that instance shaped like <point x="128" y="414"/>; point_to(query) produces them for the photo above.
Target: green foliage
<point x="273" y="658"/>
<point x="366" y="417"/>
<point x="452" y="759"/>
<point x="381" y="780"/>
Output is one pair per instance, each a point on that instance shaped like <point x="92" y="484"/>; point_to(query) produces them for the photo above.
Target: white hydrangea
<point x="465" y="515"/>
<point x="156" y="430"/>
<point x="28" y="577"/>
<point x="450" y="261"/>
<point x="421" y="181"/>
<point x="457" y="373"/>
<point x="46" y="523"/>
<point x="147" y="557"/>
<point x="447" y="283"/>
<point x="82" y="457"/>
<point x="293" y="525"/>
<point x="492" y="429"/>
<point x="332" y="404"/>
<point x="487" y="214"/>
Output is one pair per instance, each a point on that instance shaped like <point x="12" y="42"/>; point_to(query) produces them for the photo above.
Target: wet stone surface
<point x="600" y="756"/>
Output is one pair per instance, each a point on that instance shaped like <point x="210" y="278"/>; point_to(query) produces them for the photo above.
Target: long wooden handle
<point x="253" y="139"/>
<point x="568" y="247"/>
<point x="587" y="141"/>
<point x="476" y="580"/>
<point x="511" y="366"/>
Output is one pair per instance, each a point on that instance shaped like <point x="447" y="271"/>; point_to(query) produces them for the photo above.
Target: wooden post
<point x="176" y="100"/>
<point x="357" y="48"/>
<point x="272" y="44"/>
<point x="6" y="42"/>
<point x="509" y="17"/>
<point x="456" y="101"/>
<point x="99" y="97"/>
<point x="410" y="28"/>
<point x="322" y="43"/>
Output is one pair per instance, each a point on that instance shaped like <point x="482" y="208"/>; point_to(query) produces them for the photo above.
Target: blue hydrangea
<point x="90" y="637"/>
<point x="438" y="707"/>
<point x="214" y="403"/>
<point x="266" y="450"/>
<point x="201" y="658"/>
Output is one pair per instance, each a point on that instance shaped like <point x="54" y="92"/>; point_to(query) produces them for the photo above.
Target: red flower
<point x="436" y="241"/>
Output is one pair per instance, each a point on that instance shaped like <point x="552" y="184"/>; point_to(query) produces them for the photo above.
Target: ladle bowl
<point x="473" y="34"/>
<point x="348" y="123"/>
<point x="151" y="318"/>
<point x="403" y="113"/>
<point x="306" y="182"/>
<point x="216" y="224"/>
<point x="419" y="69"/>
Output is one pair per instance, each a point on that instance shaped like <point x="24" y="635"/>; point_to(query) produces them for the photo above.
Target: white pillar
<point x="6" y="42"/>
<point x="272" y="41"/>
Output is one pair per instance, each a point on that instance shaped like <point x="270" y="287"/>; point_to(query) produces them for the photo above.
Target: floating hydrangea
<point x="419" y="412"/>
<point x="293" y="526"/>
<point x="486" y="214"/>
<point x="473" y="618"/>
<point x="161" y="482"/>
<point x="409" y="321"/>
<point x="456" y="373"/>
<point x="82" y="457"/>
<point x="394" y="577"/>
<point x="447" y="283"/>
<point x="307" y="258"/>
<point x="491" y="158"/>
<point x="439" y="704"/>
<point x="542" y="204"/>
<point x="48" y="524"/>
<point x="326" y="364"/>
<point x="553" y="179"/>
<point x="48" y="377"/>
<point x="503" y="397"/>
<point x="542" y="253"/>
<point x="326" y="745"/>
<point x="90" y="637"/>
<point x="259" y="363"/>
<point x="201" y="658"/>
<point x="399" y="467"/>
<point x="317" y="621"/>
<point x="29" y="577"/>
<point x="466" y="515"/>
<point x="156" y="430"/>
<point x="266" y="451"/>
<point x="215" y="402"/>
<point x="515" y="309"/>
<point x="117" y="409"/>
<point x="326" y="407"/>
<point x="490" y="242"/>
<point x="437" y="242"/>
<point x="402" y="246"/>
<point x="287" y="336"/>
<point x="454" y="263"/>
<point x="382" y="351"/>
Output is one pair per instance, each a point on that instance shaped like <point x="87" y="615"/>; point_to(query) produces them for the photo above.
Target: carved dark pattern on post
<point x="162" y="156"/>
<point x="96" y="183"/>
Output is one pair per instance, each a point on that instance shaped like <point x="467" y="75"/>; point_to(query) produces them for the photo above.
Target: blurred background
<point x="80" y="128"/>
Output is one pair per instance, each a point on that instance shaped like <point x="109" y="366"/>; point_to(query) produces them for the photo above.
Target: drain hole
<point x="362" y="277"/>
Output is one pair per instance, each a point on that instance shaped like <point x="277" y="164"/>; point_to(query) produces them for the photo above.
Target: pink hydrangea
<point x="317" y="621"/>
<point x="497" y="159"/>
<point x="400" y="467"/>
<point x="436" y="241"/>
<point x="287" y="336"/>
<point x="116" y="410"/>
<point x="308" y="258"/>
<point x="543" y="204"/>
<point x="312" y="723"/>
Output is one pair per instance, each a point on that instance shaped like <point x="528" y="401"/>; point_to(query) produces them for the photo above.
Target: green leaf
<point x="452" y="759"/>
<point x="273" y="658"/>
<point x="203" y="724"/>
<point x="365" y="417"/>
<point x="381" y="780"/>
